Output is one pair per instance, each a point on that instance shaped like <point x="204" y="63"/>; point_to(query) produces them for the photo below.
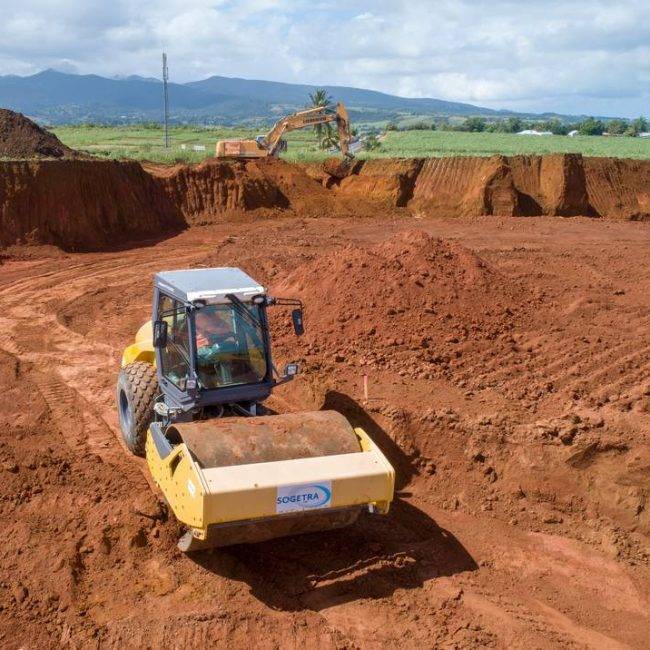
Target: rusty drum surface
<point x="241" y="441"/>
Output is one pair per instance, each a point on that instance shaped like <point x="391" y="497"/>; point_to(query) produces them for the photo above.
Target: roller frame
<point x="206" y="499"/>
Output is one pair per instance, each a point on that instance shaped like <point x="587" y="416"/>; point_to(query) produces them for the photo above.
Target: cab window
<point x="230" y="345"/>
<point x="175" y="356"/>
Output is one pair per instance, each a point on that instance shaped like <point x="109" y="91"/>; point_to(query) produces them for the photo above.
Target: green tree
<point x="371" y="143"/>
<point x="475" y="124"/>
<point x="555" y="126"/>
<point x="320" y="97"/>
<point x="514" y="125"/>
<point x="508" y="125"/>
<point x="640" y="125"/>
<point x="329" y="139"/>
<point x="324" y="133"/>
<point x="617" y="127"/>
<point x="417" y="126"/>
<point x="591" y="126"/>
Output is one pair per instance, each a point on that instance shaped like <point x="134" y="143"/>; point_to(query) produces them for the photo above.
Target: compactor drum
<point x="189" y="396"/>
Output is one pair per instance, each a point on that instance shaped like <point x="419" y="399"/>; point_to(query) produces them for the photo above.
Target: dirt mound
<point x="22" y="138"/>
<point x="81" y="204"/>
<point x="337" y="168"/>
<point x="405" y="304"/>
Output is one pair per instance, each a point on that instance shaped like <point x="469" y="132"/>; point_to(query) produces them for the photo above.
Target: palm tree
<point x="320" y="97"/>
<point x="323" y="132"/>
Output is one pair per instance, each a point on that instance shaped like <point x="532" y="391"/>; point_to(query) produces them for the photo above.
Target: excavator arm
<point x="310" y="117"/>
<point x="272" y="143"/>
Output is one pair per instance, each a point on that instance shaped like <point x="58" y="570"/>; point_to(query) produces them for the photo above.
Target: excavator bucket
<point x="337" y="168"/>
<point x="243" y="480"/>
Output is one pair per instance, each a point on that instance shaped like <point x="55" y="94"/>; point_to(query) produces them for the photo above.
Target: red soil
<point x="403" y="305"/>
<point x="82" y="204"/>
<point x="509" y="384"/>
<point x="89" y="205"/>
<point x="22" y="138"/>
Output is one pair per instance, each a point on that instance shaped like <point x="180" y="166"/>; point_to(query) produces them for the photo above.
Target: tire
<point x="137" y="388"/>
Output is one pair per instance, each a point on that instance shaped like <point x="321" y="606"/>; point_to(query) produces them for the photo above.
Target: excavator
<point x="272" y="144"/>
<point x="190" y="396"/>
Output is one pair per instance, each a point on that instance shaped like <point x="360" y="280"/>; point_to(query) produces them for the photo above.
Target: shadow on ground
<point x="357" y="416"/>
<point x="370" y="559"/>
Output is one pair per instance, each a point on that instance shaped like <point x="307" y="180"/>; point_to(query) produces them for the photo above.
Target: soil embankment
<point x="92" y="204"/>
<point x="558" y="185"/>
<point x="82" y="204"/>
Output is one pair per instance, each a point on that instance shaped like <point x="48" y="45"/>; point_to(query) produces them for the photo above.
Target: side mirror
<point x="298" y="326"/>
<point x="160" y="334"/>
<point x="291" y="370"/>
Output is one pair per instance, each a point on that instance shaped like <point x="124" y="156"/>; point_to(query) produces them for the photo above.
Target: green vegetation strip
<point x="146" y="143"/>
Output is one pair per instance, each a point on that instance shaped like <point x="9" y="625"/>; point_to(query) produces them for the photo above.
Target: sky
<point x="573" y="56"/>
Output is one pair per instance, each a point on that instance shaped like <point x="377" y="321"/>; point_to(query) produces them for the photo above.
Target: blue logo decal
<point x="303" y="497"/>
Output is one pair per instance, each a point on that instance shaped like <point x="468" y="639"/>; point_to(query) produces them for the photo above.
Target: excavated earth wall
<point x="82" y="204"/>
<point x="93" y="204"/>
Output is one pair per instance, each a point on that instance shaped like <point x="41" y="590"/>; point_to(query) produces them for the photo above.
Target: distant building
<point x="572" y="134"/>
<point x="534" y="132"/>
<point x="644" y="134"/>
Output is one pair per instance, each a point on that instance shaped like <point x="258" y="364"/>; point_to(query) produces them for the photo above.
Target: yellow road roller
<point x="190" y="396"/>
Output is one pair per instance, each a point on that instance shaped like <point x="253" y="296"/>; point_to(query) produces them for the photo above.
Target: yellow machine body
<point x="142" y="347"/>
<point x="214" y="501"/>
<point x="230" y="475"/>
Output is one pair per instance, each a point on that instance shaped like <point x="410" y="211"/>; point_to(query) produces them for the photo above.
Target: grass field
<point x="147" y="144"/>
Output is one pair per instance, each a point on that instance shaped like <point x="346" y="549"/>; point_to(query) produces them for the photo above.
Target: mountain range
<point x="54" y="97"/>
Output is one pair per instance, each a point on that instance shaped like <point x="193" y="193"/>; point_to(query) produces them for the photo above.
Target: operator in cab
<point x="225" y="354"/>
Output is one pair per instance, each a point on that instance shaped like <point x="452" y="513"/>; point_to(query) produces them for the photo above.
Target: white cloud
<point x="577" y="56"/>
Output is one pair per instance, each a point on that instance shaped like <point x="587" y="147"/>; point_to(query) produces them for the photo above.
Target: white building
<point x="534" y="132"/>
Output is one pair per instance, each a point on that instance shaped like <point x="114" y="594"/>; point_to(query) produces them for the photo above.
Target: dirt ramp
<point x="81" y="204"/>
<point x="22" y="138"/>
<point x="619" y="189"/>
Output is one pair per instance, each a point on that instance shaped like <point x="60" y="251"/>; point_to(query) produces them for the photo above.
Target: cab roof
<point x="189" y="285"/>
